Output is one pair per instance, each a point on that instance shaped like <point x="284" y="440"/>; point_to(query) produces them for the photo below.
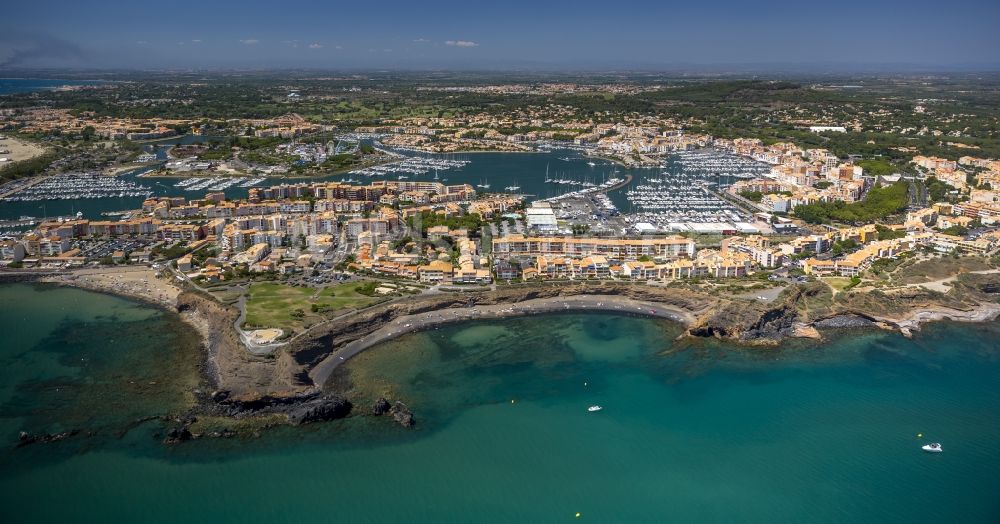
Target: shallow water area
<point x="690" y="431"/>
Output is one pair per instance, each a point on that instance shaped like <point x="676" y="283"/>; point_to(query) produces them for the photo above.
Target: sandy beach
<point x="19" y="150"/>
<point x="136" y="282"/>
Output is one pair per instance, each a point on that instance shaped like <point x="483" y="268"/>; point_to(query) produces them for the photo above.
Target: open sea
<point x="10" y="86"/>
<point x="690" y="432"/>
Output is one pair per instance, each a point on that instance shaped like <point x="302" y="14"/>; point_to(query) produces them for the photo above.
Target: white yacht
<point x="934" y="447"/>
<point x="594" y="408"/>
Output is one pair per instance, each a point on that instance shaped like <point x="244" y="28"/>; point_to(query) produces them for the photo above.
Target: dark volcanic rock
<point x="381" y="407"/>
<point x="25" y="438"/>
<point x="327" y="407"/>
<point x="990" y="287"/>
<point x="264" y="404"/>
<point x="175" y="435"/>
<point x="402" y="414"/>
<point x="755" y="323"/>
<point x="219" y="396"/>
<point x="308" y="351"/>
<point x="844" y="321"/>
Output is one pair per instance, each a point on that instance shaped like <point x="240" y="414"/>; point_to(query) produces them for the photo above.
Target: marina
<point x="76" y="186"/>
<point x="217" y="183"/>
<point x="682" y="191"/>
<point x="677" y="201"/>
<point x="714" y="163"/>
<point x="556" y="172"/>
<point x="414" y="166"/>
<point x="607" y="185"/>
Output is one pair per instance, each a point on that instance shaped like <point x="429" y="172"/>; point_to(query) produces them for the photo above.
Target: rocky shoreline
<point x="294" y="382"/>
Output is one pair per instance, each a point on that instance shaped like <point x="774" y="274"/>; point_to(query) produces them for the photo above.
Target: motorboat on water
<point x="594" y="408"/>
<point x="934" y="447"/>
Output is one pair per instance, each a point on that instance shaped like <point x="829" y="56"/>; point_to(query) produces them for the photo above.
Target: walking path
<point x="410" y="323"/>
<point x="942" y="285"/>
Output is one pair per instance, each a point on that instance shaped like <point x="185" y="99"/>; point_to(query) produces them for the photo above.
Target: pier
<point x="618" y="185"/>
<point x="738" y="201"/>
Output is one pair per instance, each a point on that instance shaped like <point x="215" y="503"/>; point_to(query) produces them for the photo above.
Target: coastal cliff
<point x="797" y="312"/>
<point x="296" y="374"/>
<point x="748" y="322"/>
<point x="228" y="365"/>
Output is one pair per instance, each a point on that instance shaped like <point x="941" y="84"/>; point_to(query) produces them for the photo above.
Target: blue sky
<point x="499" y="34"/>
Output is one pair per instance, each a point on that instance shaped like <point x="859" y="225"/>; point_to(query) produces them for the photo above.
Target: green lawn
<point x="344" y="296"/>
<point x="291" y="308"/>
<point x="837" y="283"/>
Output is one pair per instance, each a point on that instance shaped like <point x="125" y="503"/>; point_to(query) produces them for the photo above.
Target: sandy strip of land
<point x="115" y="171"/>
<point x="19" y="150"/>
<point x="421" y="321"/>
<point x="136" y="282"/>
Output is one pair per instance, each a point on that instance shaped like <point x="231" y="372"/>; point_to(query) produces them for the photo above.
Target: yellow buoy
<point x="511" y="401"/>
<point x="578" y="514"/>
<point x="920" y="435"/>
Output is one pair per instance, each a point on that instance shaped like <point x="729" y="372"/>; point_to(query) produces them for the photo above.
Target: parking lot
<point x="106" y="248"/>
<point x="587" y="212"/>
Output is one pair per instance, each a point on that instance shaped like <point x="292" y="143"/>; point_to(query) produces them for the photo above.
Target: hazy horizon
<point x="852" y="36"/>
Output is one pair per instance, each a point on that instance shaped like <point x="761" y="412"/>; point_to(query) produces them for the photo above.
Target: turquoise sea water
<point x="695" y="432"/>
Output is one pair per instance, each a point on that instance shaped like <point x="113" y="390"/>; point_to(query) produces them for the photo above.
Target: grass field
<point x="837" y="283"/>
<point x="295" y="308"/>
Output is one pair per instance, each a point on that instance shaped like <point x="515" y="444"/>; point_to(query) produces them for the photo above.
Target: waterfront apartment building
<point x="253" y="254"/>
<point x="757" y="247"/>
<point x="611" y="248"/>
<point x="855" y="263"/>
<point x="708" y="263"/>
<point x="376" y="226"/>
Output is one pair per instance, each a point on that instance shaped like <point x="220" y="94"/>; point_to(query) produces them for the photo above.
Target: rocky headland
<point x="293" y="383"/>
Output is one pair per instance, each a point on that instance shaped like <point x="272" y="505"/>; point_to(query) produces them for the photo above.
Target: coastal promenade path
<point x="421" y="321"/>
<point x="943" y="285"/>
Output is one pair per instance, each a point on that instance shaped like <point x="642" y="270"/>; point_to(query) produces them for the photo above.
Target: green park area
<point x="879" y="203"/>
<point x="272" y="305"/>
